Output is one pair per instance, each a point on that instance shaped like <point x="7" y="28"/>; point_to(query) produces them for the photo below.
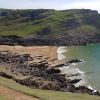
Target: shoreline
<point x="72" y="69"/>
<point x="53" y="56"/>
<point x="49" y="52"/>
<point x="37" y="41"/>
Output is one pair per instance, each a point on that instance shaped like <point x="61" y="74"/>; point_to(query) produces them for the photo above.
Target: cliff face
<point x="49" y="27"/>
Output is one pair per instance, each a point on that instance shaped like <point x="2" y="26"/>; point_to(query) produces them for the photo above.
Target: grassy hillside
<point x="2" y="97"/>
<point x="43" y="94"/>
<point x="50" y="27"/>
<point x="48" y="22"/>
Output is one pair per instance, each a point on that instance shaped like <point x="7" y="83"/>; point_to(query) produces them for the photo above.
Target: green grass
<point x="30" y="22"/>
<point x="3" y="97"/>
<point x="45" y="94"/>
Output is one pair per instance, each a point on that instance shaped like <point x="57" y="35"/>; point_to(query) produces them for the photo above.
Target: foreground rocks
<point x="38" y="72"/>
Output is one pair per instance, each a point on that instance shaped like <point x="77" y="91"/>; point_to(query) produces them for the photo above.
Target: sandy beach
<point x="49" y="52"/>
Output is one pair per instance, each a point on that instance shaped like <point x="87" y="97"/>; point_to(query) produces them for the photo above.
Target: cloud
<point x="88" y="4"/>
<point x="50" y="4"/>
<point x="93" y="4"/>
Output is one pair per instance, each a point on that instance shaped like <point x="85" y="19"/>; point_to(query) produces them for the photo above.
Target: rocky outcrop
<point x="75" y="61"/>
<point x="37" y="72"/>
<point x="41" y="41"/>
<point x="3" y="74"/>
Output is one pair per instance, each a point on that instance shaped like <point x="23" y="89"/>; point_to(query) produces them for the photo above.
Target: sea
<point x="89" y="68"/>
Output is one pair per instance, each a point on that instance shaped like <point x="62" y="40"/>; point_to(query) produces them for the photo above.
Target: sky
<point x="50" y="4"/>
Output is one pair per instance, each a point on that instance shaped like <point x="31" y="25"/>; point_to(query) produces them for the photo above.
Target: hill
<point x="49" y="27"/>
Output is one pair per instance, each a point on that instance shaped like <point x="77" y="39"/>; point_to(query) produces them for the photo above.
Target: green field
<point x="43" y="94"/>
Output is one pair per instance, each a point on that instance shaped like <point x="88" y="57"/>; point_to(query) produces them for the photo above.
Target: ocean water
<point x="91" y="55"/>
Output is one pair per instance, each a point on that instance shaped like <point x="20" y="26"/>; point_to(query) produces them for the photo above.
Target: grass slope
<point x="48" y="22"/>
<point x="44" y="94"/>
<point x="3" y="97"/>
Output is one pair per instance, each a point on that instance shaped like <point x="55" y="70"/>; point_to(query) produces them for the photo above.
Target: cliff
<point x="49" y="27"/>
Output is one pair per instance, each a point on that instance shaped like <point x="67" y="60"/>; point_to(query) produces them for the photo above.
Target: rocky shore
<point x="38" y="72"/>
<point x="41" y="41"/>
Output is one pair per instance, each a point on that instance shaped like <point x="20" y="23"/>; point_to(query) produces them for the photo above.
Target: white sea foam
<point x="72" y="70"/>
<point x="60" y="52"/>
<point x="90" y="87"/>
<point x="61" y="57"/>
<point x="74" y="64"/>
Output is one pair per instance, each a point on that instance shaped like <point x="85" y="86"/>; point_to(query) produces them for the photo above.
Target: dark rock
<point x="83" y="89"/>
<point x="70" y="88"/>
<point x="42" y="41"/>
<point x="96" y="93"/>
<point x="77" y="74"/>
<point x="74" y="61"/>
<point x="52" y="70"/>
<point x="59" y="65"/>
<point x="8" y="57"/>
<point x="74" y="81"/>
<point x="6" y="75"/>
<point x="31" y="82"/>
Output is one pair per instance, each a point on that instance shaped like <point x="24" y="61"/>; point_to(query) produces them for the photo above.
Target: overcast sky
<point x="50" y="4"/>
